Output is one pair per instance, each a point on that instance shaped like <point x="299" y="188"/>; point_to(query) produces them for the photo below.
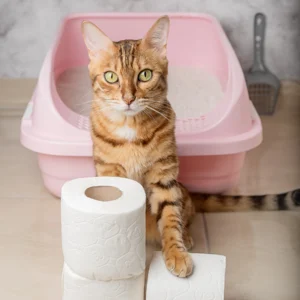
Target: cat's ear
<point x="157" y="36"/>
<point x="95" y="40"/>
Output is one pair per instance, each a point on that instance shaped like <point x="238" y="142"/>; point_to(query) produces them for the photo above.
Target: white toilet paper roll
<point x="104" y="240"/>
<point x="79" y="288"/>
<point x="206" y="282"/>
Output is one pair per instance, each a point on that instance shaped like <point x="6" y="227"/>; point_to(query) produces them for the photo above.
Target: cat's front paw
<point x="179" y="263"/>
<point x="188" y="242"/>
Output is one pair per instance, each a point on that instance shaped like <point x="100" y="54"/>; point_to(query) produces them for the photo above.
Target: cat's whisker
<point x="149" y="107"/>
<point x="152" y="101"/>
<point x="151" y="117"/>
<point x="107" y="106"/>
<point x="158" y="106"/>
<point x="81" y="97"/>
<point x="162" y="105"/>
<point x="83" y="103"/>
<point x="100" y="88"/>
<point x="102" y="108"/>
<point x="72" y="86"/>
<point x="158" y="103"/>
<point x="84" y="110"/>
<point x="148" y="115"/>
<point x="112" y="101"/>
<point x="88" y="102"/>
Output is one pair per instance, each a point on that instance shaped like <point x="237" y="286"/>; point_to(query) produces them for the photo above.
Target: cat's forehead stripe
<point x="132" y="54"/>
<point x="127" y="52"/>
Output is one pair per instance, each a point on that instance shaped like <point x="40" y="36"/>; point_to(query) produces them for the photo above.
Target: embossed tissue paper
<point x="79" y="288"/>
<point x="104" y="240"/>
<point x="206" y="283"/>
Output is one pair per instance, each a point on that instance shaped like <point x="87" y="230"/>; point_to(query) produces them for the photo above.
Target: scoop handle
<point x="259" y="39"/>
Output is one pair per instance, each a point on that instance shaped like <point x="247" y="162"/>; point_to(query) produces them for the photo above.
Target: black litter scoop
<point x="263" y="86"/>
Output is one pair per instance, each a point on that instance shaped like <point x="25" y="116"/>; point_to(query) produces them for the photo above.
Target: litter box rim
<point x="185" y="147"/>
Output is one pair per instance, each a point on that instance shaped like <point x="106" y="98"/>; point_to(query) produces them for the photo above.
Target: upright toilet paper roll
<point x="104" y="240"/>
<point x="79" y="288"/>
<point x="206" y="282"/>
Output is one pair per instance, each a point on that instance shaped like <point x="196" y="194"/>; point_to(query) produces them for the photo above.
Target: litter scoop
<point x="263" y="86"/>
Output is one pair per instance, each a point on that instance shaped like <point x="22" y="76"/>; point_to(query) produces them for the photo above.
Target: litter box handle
<point x="27" y="116"/>
<point x="259" y="39"/>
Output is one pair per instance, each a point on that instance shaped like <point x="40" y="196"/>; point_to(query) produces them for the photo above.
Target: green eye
<point x="111" y="77"/>
<point x="145" y="75"/>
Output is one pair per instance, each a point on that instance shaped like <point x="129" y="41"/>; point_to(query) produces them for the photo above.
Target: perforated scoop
<point x="263" y="86"/>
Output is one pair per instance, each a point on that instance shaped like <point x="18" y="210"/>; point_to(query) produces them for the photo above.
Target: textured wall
<point x="28" y="27"/>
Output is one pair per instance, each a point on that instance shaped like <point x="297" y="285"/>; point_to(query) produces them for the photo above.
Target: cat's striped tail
<point x="220" y="203"/>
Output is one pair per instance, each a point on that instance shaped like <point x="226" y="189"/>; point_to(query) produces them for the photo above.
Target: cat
<point x="133" y="133"/>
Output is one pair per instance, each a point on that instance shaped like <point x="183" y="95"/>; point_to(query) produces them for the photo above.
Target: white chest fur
<point x="125" y="132"/>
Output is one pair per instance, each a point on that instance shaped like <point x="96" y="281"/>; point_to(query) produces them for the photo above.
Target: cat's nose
<point x="129" y="99"/>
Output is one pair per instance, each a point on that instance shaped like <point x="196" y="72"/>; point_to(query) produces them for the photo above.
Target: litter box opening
<point x="185" y="50"/>
<point x="192" y="92"/>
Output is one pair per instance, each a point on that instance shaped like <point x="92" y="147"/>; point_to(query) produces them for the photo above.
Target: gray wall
<point x="28" y="27"/>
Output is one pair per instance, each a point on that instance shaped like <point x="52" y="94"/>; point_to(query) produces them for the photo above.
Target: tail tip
<point x="296" y="197"/>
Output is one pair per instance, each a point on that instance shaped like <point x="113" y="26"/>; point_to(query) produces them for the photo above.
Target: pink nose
<point x="129" y="99"/>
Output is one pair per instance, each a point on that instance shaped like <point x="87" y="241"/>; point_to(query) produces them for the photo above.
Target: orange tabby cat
<point x="133" y="132"/>
<point x="133" y="127"/>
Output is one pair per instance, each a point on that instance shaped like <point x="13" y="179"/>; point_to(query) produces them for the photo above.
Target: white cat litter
<point x="192" y="91"/>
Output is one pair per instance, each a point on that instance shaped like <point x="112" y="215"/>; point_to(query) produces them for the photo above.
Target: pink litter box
<point x="212" y="137"/>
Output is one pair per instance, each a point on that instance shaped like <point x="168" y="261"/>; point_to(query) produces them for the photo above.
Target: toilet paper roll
<point x="79" y="288"/>
<point x="206" y="282"/>
<point x="104" y="240"/>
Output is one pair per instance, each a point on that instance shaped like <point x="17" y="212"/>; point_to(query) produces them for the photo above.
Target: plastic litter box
<point x="211" y="146"/>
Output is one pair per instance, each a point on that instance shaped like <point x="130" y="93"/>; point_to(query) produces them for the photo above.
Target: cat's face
<point x="129" y="77"/>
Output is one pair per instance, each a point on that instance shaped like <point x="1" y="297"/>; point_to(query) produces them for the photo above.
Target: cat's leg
<point x="187" y="239"/>
<point x="109" y="169"/>
<point x="166" y="203"/>
<point x="153" y="235"/>
<point x="188" y="216"/>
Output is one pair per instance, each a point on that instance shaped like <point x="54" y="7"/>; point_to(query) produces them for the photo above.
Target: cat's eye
<point x="111" y="77"/>
<point x="145" y="75"/>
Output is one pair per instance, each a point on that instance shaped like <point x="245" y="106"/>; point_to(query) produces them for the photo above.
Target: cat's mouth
<point x="132" y="109"/>
<point x="129" y="111"/>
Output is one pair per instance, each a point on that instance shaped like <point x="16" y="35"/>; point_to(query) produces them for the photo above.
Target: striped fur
<point x="219" y="203"/>
<point x="141" y="145"/>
